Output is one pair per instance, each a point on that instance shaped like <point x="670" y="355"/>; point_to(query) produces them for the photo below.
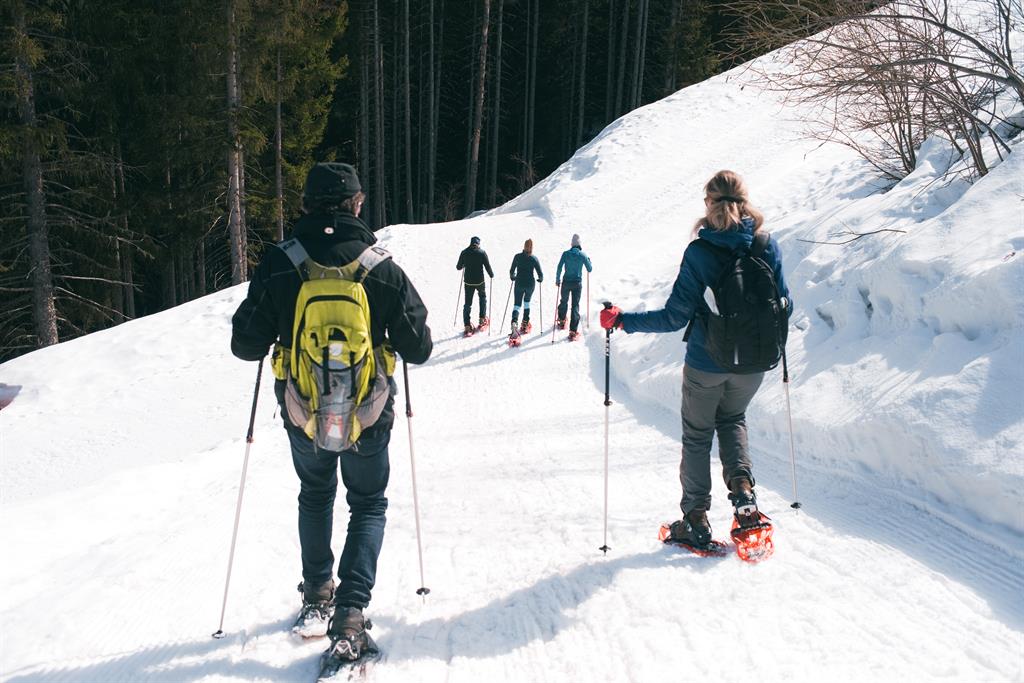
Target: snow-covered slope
<point x="120" y="460"/>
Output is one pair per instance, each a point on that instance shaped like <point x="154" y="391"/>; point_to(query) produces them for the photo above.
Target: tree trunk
<point x="44" y="310"/>
<point x="393" y="88"/>
<point x="410" y="216"/>
<point x="524" y="148"/>
<point x="378" y="80"/>
<point x="635" y="69"/>
<point x="236" y="231"/>
<point x="124" y="253"/>
<point x="201" y="266"/>
<point x="673" y="42"/>
<point x="435" y="107"/>
<point x="278" y="178"/>
<point x="470" y="108"/>
<point x="641" y="52"/>
<point x="364" y="113"/>
<point x="532" y="106"/>
<point x="582" y="96"/>
<point x="609" y="81"/>
<point x="478" y="110"/>
<point x="621" y="80"/>
<point x="420" y="142"/>
<point x="492" y="171"/>
<point x="170" y="284"/>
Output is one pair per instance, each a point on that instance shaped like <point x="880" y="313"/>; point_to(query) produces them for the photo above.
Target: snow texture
<point x="121" y="456"/>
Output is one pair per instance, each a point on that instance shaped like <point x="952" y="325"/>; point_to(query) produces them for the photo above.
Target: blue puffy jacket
<point x="573" y="260"/>
<point x="699" y="270"/>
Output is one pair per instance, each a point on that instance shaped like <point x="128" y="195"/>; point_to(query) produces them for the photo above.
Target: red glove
<point x="611" y="318"/>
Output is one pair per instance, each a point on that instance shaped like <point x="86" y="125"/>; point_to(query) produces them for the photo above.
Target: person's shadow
<point x="536" y="612"/>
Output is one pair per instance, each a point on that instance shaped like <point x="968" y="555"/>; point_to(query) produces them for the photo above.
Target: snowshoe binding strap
<point x="753" y="540"/>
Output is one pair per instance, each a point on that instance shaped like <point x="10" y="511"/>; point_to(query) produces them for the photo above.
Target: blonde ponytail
<point x="727" y="204"/>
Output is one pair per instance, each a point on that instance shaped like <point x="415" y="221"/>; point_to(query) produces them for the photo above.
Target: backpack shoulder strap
<point x="760" y="243"/>
<point x="297" y="254"/>
<point x="370" y="259"/>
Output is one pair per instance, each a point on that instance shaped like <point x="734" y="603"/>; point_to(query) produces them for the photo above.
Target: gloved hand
<point x="611" y="317"/>
<point x="557" y="283"/>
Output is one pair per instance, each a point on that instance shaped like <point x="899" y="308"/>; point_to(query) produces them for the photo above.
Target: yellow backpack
<point x="337" y="382"/>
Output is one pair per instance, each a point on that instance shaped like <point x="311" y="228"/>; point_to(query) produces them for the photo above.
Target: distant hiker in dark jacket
<point x="714" y="400"/>
<point x="524" y="264"/>
<point x="574" y="261"/>
<point x="474" y="260"/>
<point x="333" y="235"/>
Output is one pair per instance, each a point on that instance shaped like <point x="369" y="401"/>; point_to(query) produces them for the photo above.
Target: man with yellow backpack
<point x="337" y="309"/>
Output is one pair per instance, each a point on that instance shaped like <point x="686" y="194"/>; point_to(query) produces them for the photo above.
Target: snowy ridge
<point x="119" y="462"/>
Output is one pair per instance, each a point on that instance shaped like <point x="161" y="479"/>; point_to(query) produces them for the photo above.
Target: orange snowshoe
<point x="753" y="537"/>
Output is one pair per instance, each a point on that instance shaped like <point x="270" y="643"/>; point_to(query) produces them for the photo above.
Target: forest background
<point x="149" y="151"/>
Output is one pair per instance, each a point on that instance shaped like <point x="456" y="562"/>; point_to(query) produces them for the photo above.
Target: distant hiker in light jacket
<point x="475" y="261"/>
<point x="524" y="264"/>
<point x="714" y="400"/>
<point x="573" y="261"/>
<point x="333" y="235"/>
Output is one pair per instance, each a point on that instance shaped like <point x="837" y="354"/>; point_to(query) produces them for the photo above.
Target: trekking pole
<point x="607" y="405"/>
<point x="789" y="413"/>
<point x="554" y="325"/>
<point x="219" y="633"/>
<point x="490" y="308"/>
<point x="507" y="299"/>
<point x="455" y="320"/>
<point x="540" y="304"/>
<point x="422" y="590"/>
<point x="588" y="301"/>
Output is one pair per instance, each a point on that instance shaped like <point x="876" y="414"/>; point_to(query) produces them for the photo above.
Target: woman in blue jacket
<point x="714" y="399"/>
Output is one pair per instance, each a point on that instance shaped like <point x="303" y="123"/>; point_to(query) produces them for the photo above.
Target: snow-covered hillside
<point x="120" y="459"/>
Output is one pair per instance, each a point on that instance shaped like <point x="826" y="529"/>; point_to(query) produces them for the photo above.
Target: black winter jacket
<point x="523" y="265"/>
<point x="397" y="313"/>
<point x="474" y="260"/>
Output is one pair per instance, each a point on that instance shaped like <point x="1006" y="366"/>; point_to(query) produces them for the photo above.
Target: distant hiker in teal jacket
<point x="573" y="261"/>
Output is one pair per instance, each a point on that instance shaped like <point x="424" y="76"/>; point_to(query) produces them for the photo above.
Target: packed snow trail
<point x="509" y="445"/>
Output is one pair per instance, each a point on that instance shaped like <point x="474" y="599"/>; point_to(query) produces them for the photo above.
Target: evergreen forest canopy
<point x="149" y="150"/>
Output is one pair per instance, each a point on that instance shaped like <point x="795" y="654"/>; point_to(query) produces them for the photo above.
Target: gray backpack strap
<point x="370" y="259"/>
<point x="297" y="254"/>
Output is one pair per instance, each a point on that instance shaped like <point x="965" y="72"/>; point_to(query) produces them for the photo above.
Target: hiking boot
<point x="560" y="324"/>
<point x="316" y="612"/>
<point x="574" y="335"/>
<point x="744" y="502"/>
<point x="468" y="331"/>
<point x="484" y="322"/>
<point x="526" y="327"/>
<point x="693" y="529"/>
<point x="349" y="639"/>
<point x="515" y="329"/>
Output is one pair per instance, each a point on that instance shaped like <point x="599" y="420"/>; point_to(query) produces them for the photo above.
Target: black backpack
<point x="748" y="334"/>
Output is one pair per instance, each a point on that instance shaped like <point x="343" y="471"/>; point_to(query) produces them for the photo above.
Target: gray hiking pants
<point x="714" y="402"/>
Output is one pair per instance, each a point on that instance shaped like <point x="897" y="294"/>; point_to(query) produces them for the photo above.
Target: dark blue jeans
<point x="481" y="291"/>
<point x="364" y="470"/>
<point x="575" y="289"/>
